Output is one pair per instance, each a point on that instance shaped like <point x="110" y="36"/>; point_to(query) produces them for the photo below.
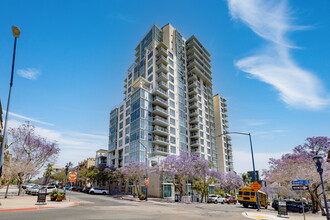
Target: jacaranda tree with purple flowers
<point x="230" y="182"/>
<point x="299" y="164"/>
<point x="30" y="152"/>
<point x="204" y="175"/>
<point x="179" y="169"/>
<point x="135" y="172"/>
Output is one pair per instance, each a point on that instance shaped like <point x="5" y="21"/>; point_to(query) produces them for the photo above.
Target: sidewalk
<point x="266" y="215"/>
<point x="25" y="203"/>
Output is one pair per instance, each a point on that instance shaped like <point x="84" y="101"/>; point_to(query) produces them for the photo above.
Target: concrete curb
<point x="39" y="208"/>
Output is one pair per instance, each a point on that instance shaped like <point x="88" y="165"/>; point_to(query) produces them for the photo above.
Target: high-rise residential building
<point x="168" y="104"/>
<point x="223" y="142"/>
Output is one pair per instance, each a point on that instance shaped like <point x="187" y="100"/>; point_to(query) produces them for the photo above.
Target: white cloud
<point x="273" y="65"/>
<point x="243" y="160"/>
<point x="29" y="119"/>
<point x="29" y="73"/>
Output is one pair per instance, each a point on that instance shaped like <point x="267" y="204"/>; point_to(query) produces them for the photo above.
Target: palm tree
<point x="49" y="171"/>
<point x="246" y="179"/>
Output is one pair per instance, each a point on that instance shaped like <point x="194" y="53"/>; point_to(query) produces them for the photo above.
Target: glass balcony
<point x="192" y="78"/>
<point x="162" y="60"/>
<point x="163" y="85"/>
<point x="160" y="92"/>
<point x="160" y="140"/>
<point x="193" y="120"/>
<point x="160" y="121"/>
<point x="192" y="91"/>
<point x="160" y="130"/>
<point x="157" y="110"/>
<point x="193" y="127"/>
<point x="162" y="77"/>
<point x="193" y="98"/>
<point x="193" y="105"/>
<point x="161" y="51"/>
<point x="193" y="113"/>
<point x="160" y="101"/>
<point x="192" y="85"/>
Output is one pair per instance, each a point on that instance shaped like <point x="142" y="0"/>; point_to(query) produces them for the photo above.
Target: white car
<point x="33" y="188"/>
<point x="98" y="191"/>
<point x="215" y="199"/>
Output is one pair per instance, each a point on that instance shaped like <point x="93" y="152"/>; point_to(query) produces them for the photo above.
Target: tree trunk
<point x="317" y="202"/>
<point x="7" y="189"/>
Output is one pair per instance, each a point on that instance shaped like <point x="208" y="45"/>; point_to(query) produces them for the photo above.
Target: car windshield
<point x="212" y="196"/>
<point x="35" y="187"/>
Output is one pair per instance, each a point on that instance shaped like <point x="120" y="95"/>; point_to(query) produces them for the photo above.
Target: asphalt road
<point x="97" y="207"/>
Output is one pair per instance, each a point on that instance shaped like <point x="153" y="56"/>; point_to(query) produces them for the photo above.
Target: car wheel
<point x="215" y="202"/>
<point x="104" y="193"/>
<point x="245" y="205"/>
<point x="300" y="211"/>
<point x="223" y="203"/>
<point x="91" y="192"/>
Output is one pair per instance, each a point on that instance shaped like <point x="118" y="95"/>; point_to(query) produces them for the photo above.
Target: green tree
<point x="48" y="173"/>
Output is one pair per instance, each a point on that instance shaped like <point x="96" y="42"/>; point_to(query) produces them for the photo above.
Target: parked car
<point x="33" y="188"/>
<point x="231" y="200"/>
<point x="86" y="189"/>
<point x="27" y="185"/>
<point x="215" y="199"/>
<point x="292" y="205"/>
<point x="98" y="191"/>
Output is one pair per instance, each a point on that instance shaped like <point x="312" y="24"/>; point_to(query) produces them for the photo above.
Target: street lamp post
<point x="318" y="161"/>
<point x="254" y="170"/>
<point x="16" y="32"/>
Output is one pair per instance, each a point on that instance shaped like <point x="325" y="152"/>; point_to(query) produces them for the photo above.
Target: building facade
<point x="168" y="103"/>
<point x="101" y="157"/>
<point x="223" y="142"/>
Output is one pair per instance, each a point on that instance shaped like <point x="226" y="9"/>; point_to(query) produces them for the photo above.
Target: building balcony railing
<point x="163" y="85"/>
<point x="160" y="111"/>
<point x="193" y="127"/>
<point x="192" y="91"/>
<point x="193" y="120"/>
<point x="192" y="77"/>
<point x="159" y="101"/>
<point x="193" y="105"/>
<point x="162" y="59"/>
<point x="162" y="68"/>
<point x="158" y="128"/>
<point x="193" y="98"/>
<point x="159" y="120"/>
<point x="161" y="51"/>
<point x="193" y="112"/>
<point x="162" y="77"/>
<point x="192" y="84"/>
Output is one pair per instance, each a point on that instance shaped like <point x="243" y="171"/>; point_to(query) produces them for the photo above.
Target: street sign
<point x="255" y="186"/>
<point x="146" y="181"/>
<point x="302" y="187"/>
<point x="72" y="177"/>
<point x="300" y="182"/>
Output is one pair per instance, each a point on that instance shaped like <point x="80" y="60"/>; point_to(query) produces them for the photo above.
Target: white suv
<point x="98" y="191"/>
<point x="215" y="199"/>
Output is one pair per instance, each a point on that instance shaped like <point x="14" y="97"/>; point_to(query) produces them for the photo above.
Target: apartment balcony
<point x="193" y="127"/>
<point x="157" y="110"/>
<point x="158" y="150"/>
<point x="195" y="150"/>
<point x="160" y="92"/>
<point x="193" y="112"/>
<point x="194" y="143"/>
<point x="160" y="130"/>
<point x="193" y="46"/>
<point x="161" y="52"/>
<point x="193" y="106"/>
<point x="162" y="60"/>
<point x="193" y="98"/>
<point x="199" y="56"/>
<point x="194" y="135"/>
<point x="192" y="85"/>
<point x="204" y="76"/>
<point x="192" y="91"/>
<point x="162" y="68"/>
<point x="157" y="120"/>
<point x="163" y="85"/>
<point x="162" y="77"/>
<point x="192" y="78"/>
<point x="193" y="120"/>
<point x="160" y="140"/>
<point x="160" y="101"/>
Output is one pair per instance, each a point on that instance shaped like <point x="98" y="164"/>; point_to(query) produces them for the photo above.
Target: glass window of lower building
<point x="167" y="190"/>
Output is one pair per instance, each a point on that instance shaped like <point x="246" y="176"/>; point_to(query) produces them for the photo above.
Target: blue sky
<point x="269" y="59"/>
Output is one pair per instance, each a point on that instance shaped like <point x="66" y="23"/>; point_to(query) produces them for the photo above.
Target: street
<point x="105" y="207"/>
